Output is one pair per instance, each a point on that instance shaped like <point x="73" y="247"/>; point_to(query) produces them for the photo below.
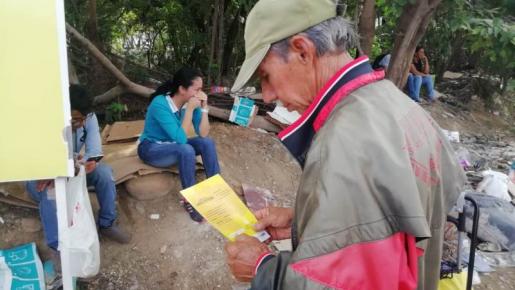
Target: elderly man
<point x="378" y="174"/>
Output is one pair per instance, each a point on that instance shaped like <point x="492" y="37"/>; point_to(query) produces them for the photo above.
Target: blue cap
<point x="513" y="165"/>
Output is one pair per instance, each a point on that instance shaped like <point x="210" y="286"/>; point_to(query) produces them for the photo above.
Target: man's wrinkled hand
<point x="242" y="256"/>
<point x="276" y="221"/>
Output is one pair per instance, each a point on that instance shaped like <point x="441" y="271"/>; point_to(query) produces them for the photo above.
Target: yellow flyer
<point x="214" y="199"/>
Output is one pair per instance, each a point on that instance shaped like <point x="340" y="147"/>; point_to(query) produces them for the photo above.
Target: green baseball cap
<point x="270" y="21"/>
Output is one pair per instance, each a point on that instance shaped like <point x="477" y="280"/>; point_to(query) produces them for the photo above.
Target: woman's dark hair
<point x="419" y="47"/>
<point x="183" y="77"/>
<point x="80" y="100"/>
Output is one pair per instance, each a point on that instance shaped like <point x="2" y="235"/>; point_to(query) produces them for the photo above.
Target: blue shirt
<point x="163" y="121"/>
<point x="88" y="135"/>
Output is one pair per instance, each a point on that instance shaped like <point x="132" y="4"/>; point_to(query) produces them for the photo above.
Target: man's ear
<point x="303" y="48"/>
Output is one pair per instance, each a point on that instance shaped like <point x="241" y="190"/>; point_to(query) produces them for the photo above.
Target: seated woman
<point x="419" y="76"/>
<point x="178" y="108"/>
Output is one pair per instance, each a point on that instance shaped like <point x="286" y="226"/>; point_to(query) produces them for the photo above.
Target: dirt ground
<point x="174" y="252"/>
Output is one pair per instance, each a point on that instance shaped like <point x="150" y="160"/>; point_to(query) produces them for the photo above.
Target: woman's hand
<point x="203" y="99"/>
<point x="193" y="103"/>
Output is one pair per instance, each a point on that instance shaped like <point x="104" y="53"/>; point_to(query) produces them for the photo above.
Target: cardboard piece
<point x="125" y="131"/>
<point x="14" y="193"/>
<point x="124" y="160"/>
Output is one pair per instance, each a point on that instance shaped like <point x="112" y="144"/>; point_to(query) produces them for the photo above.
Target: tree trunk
<point x="72" y="73"/>
<point x="220" y="54"/>
<point x="366" y="26"/>
<point x="410" y="29"/>
<point x="108" y="65"/>
<point x="214" y="33"/>
<point x="230" y="41"/>
<point x="92" y="24"/>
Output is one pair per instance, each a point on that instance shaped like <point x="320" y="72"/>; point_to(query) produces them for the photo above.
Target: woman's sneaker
<point x="194" y="215"/>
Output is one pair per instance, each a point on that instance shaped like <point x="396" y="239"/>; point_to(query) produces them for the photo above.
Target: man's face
<point x="292" y="82"/>
<point x="77" y="119"/>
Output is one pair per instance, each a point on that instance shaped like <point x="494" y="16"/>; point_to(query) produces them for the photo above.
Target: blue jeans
<point x="165" y="155"/>
<point x="416" y="82"/>
<point x="102" y="179"/>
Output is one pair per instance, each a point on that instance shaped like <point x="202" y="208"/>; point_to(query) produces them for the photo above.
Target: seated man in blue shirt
<point x="86" y="133"/>
<point x="176" y="129"/>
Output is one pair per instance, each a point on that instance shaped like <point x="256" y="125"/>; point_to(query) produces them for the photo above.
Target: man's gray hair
<point x="335" y="35"/>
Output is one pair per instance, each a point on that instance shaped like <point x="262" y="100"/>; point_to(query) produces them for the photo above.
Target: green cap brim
<point x="249" y="66"/>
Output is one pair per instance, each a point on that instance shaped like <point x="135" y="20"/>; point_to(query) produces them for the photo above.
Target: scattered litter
<point x="480" y="264"/>
<point x="498" y="259"/>
<point x="163" y="249"/>
<point x="494" y="184"/>
<point x="246" y="91"/>
<point x="475" y="278"/>
<point x="453" y="136"/>
<point x="219" y="90"/>
<point x="6" y="275"/>
<point x="154" y="216"/>
<point x="26" y="265"/>
<point x="496" y="221"/>
<point x="463" y="157"/>
<point x="282" y="115"/>
<point x="243" y="111"/>
<point x="2" y="220"/>
<point x="512" y="173"/>
<point x="256" y="197"/>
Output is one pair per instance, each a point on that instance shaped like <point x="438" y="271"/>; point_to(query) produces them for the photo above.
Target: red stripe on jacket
<point x="342" y="93"/>
<point x="385" y="264"/>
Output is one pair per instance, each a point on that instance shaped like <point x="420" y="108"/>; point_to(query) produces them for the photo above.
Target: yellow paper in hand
<point x="214" y="199"/>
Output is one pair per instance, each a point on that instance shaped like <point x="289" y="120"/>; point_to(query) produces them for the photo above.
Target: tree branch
<point x="125" y="82"/>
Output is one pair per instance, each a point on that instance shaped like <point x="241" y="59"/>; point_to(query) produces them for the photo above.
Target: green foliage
<point x="114" y="112"/>
<point x="167" y="34"/>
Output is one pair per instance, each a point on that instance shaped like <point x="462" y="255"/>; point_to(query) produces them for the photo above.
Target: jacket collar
<point x="298" y="137"/>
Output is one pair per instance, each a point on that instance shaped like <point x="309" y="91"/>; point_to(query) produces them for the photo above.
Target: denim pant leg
<point x="205" y="147"/>
<point x="164" y="155"/>
<point x="414" y="84"/>
<point x="427" y="81"/>
<point x="48" y="214"/>
<point x="102" y="179"/>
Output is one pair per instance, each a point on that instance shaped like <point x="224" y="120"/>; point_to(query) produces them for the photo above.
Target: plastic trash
<point x="452" y="136"/>
<point x="512" y="173"/>
<point x="463" y="156"/>
<point x="6" y="275"/>
<point x="496" y="221"/>
<point x="21" y="268"/>
<point x="494" y="184"/>
<point x="480" y="264"/>
<point x="257" y="198"/>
